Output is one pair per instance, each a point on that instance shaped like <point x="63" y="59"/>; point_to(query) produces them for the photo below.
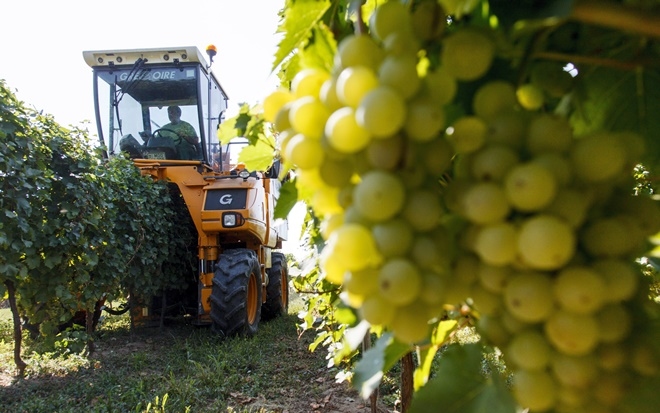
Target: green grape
<point x="399" y="281"/>
<point x="332" y="267"/>
<point x="492" y="162"/>
<point x="382" y="112"/>
<point x="610" y="388"/>
<point x="571" y="399"/>
<point x="308" y="82"/>
<point x="331" y="223"/>
<point x="353" y="83"/>
<point x="336" y="173"/>
<point x="379" y="196"/>
<point x="424" y="120"/>
<point x="467" y="54"/>
<point x="528" y="296"/>
<point x="484" y="301"/>
<point x="393" y="237"/>
<point x="558" y="165"/>
<point x="529" y="350"/>
<point x="441" y="85"/>
<point x="343" y="132"/>
<point x="363" y="282"/>
<point x="530" y="96"/>
<point x="465" y="269"/>
<point x="353" y="216"/>
<point x="571" y="205"/>
<point x="549" y="133"/>
<point x="377" y="310"/>
<point x="512" y="324"/>
<point x="575" y="371"/>
<point x="572" y="334"/>
<point x="530" y="187"/>
<point x="425" y="254"/>
<point x="644" y="359"/>
<point x="409" y="324"/>
<point x="325" y="201"/>
<point x="282" y="122"/>
<point x="491" y="329"/>
<point x="611" y="356"/>
<point x="615" y="323"/>
<point x="385" y="153"/>
<point x="467" y="134"/>
<point x="328" y="95"/>
<point x="437" y="156"/>
<point x="388" y="18"/>
<point x="535" y="390"/>
<point x="308" y="116"/>
<point x="358" y="50"/>
<point x="304" y="152"/>
<point x="551" y="78"/>
<point x="635" y="147"/>
<point x="400" y="73"/>
<point x="493" y="98"/>
<point x="598" y="157"/>
<point x="496" y="243"/>
<point x="579" y="289"/>
<point x="354" y="246"/>
<point x="428" y="20"/>
<point x="433" y="288"/>
<point x="493" y="278"/>
<point x="621" y="278"/>
<point x="546" y="242"/>
<point x="401" y="43"/>
<point x="422" y="210"/>
<point x="507" y="129"/>
<point x="485" y="203"/>
<point x="274" y="102"/>
<point x="608" y="237"/>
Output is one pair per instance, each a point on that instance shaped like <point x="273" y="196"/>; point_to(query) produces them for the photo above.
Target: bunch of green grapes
<point x="536" y="227"/>
<point x="552" y="235"/>
<point x="367" y="144"/>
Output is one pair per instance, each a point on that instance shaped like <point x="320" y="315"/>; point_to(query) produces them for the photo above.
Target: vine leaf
<point x="377" y="361"/>
<point x="461" y="386"/>
<point x="258" y="157"/>
<point x="620" y="101"/>
<point x="301" y="17"/>
<point x="287" y="200"/>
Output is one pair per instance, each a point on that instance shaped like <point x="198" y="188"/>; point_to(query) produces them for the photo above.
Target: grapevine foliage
<point x="77" y="229"/>
<point x="478" y="163"/>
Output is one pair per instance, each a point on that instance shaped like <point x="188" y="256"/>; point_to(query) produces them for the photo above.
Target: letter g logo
<point x="225" y="199"/>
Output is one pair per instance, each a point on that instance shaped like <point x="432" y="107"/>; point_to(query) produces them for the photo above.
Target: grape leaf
<point x="461" y="386"/>
<point x="320" y="51"/>
<point x="287" y="200"/>
<point x="300" y="18"/>
<point x="620" y="101"/>
<point x="376" y="361"/>
<point x="258" y="157"/>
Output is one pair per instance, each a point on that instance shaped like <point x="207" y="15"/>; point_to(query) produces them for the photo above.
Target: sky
<point x="43" y="40"/>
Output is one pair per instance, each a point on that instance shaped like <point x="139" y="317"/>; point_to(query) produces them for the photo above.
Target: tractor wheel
<point x="236" y="294"/>
<point x="277" y="291"/>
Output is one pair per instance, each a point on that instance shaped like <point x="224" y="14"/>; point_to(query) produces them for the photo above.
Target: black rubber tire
<point x="277" y="291"/>
<point x="236" y="294"/>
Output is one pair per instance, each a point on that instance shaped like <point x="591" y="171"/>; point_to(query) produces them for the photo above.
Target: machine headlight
<point x="244" y="174"/>
<point x="232" y="219"/>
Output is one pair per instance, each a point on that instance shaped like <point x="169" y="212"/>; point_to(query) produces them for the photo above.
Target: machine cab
<point x="133" y="90"/>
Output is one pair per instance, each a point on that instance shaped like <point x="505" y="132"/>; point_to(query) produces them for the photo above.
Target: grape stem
<point x="617" y="16"/>
<point x="590" y="60"/>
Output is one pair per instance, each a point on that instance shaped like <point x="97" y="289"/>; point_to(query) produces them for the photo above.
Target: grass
<point x="189" y="367"/>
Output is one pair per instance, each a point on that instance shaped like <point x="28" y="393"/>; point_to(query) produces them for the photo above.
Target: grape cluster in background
<point x="432" y="202"/>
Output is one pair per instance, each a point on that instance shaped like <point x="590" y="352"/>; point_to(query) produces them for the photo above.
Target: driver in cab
<point x="182" y="128"/>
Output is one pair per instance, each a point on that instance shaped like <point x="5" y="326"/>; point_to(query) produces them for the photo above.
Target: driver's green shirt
<point x="184" y="130"/>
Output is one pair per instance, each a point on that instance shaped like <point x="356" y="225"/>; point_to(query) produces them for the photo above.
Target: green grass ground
<point x="199" y="372"/>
